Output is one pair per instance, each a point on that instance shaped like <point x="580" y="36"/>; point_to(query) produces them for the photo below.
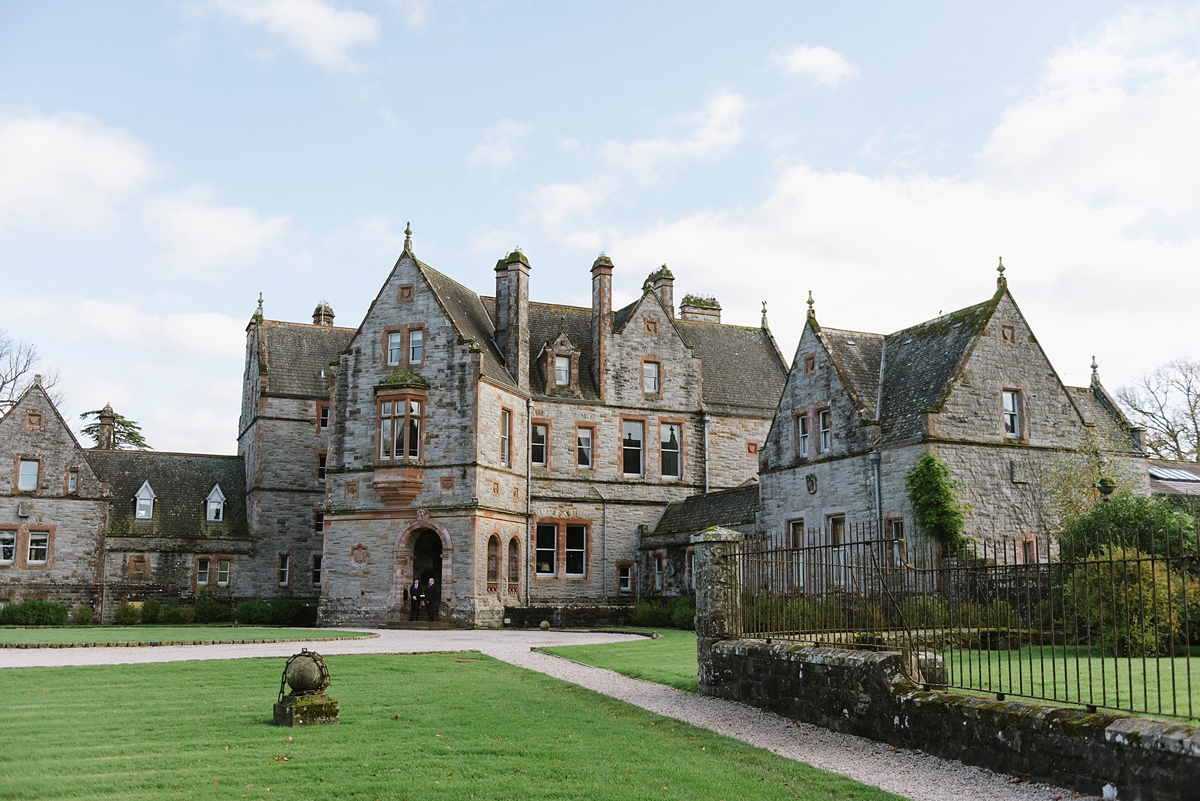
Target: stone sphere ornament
<point x="307" y="676"/>
<point x="544" y="625"/>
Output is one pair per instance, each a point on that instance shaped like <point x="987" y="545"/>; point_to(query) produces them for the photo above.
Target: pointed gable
<point x="33" y="427"/>
<point x="856" y="356"/>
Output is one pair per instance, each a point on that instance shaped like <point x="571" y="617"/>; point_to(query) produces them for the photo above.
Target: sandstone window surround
<point x="401" y="426"/>
<point x="506" y="417"/>
<point x="633" y="446"/>
<point x="810" y="363"/>
<point x="562" y="371"/>
<point x="585" y="439"/>
<point x="403" y="345"/>
<point x="671" y="448"/>
<point x="39" y="549"/>
<point x="223" y="570"/>
<point x="1012" y="404"/>
<point x="144" y="502"/>
<point x="493" y="563"/>
<point x="202" y="571"/>
<point x="800" y="423"/>
<point x="626" y="578"/>
<point x="317" y="560"/>
<point x="8" y="546"/>
<point x="215" y="505"/>
<point x="71" y="485"/>
<point x="323" y="417"/>
<point x="564" y="543"/>
<point x="652" y="376"/>
<point x="825" y="430"/>
<point x="539" y="442"/>
<point x="1029" y="550"/>
<point x="284" y="572"/>
<point x="28" y="473"/>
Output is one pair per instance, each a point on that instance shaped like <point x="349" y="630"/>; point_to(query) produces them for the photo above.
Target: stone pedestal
<point x="306" y="710"/>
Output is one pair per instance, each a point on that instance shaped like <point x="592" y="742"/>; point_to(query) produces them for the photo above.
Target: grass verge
<point x="413" y="726"/>
<point x="165" y="634"/>
<point x="670" y="660"/>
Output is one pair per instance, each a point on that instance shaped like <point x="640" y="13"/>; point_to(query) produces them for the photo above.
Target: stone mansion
<point x="533" y="456"/>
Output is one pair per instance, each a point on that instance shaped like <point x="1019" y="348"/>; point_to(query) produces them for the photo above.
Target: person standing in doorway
<point x="431" y="599"/>
<point x="413" y="596"/>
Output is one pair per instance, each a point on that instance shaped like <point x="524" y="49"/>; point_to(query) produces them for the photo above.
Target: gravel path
<point x="911" y="774"/>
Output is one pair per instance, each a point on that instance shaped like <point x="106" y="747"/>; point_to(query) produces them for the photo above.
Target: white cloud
<point x="1117" y="118"/>
<point x="206" y="335"/>
<point x="320" y="31"/>
<point x="201" y="235"/>
<point x="498" y="150"/>
<point x="67" y="169"/>
<point x="715" y="131"/>
<point x="820" y="65"/>
<point x="415" y="12"/>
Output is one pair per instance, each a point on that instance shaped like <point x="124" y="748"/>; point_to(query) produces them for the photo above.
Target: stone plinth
<point x="306" y="710"/>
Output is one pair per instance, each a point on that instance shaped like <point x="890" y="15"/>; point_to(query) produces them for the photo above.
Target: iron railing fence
<point x="1110" y="621"/>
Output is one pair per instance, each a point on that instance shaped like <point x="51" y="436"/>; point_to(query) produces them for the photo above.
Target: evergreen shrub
<point x="151" y="611"/>
<point x="935" y="502"/>
<point x="126" y="615"/>
<point x="210" y="611"/>
<point x="83" y="616"/>
<point x="171" y="613"/>
<point x="35" y="613"/>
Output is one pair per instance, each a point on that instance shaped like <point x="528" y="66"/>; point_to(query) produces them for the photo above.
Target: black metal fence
<point x="1109" y="622"/>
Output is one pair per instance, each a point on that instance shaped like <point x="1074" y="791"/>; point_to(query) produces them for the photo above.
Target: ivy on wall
<point x="935" y="501"/>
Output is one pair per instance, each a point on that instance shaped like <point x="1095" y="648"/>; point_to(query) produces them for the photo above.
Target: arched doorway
<point x="427" y="557"/>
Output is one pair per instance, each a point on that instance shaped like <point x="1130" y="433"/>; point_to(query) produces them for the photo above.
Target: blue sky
<point x="163" y="163"/>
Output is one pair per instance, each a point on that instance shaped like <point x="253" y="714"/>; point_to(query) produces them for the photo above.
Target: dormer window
<point x="562" y="370"/>
<point x="145" y="502"/>
<point x="216" y="505"/>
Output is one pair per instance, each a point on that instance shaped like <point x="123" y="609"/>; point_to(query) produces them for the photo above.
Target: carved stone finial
<point x="1095" y="371"/>
<point x="1001" y="281"/>
<point x="1000" y="269"/>
<point x="764" y="314"/>
<point x="258" y="315"/>
<point x="408" y="236"/>
<point x="811" y="312"/>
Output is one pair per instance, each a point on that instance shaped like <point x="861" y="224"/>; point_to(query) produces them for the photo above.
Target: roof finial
<point x="408" y="236"/>
<point x="1001" y="282"/>
<point x="764" y="319"/>
<point x="1095" y="371"/>
<point x="258" y="315"/>
<point x="811" y="313"/>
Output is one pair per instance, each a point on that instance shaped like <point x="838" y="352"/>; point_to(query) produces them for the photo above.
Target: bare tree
<point x="18" y="360"/>
<point x="1166" y="403"/>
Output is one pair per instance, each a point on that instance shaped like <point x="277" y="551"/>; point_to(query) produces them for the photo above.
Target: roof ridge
<point x="163" y="453"/>
<point x="964" y="310"/>
<point x="307" y="325"/>
<point x="852" y="331"/>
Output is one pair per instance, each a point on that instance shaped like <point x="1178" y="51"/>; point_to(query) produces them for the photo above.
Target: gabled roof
<point x="736" y="507"/>
<point x="181" y="484"/>
<point x="1103" y="418"/>
<point x="295" y="353"/>
<point x="856" y="355"/>
<point x="919" y="364"/>
<point x="739" y="365"/>
<point x="470" y="318"/>
<point x="545" y="322"/>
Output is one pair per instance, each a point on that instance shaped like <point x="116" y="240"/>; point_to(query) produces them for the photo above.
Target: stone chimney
<point x="104" y="436"/>
<point x="662" y="282"/>
<point x="602" y="320"/>
<point x="512" y="315"/>
<point x="700" y="309"/>
<point x="323" y="315"/>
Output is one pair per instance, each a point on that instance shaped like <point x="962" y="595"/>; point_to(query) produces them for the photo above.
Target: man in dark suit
<point x="431" y="598"/>
<point x="413" y="596"/>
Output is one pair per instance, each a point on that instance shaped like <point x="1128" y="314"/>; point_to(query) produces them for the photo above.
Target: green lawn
<point x="671" y="659"/>
<point x="413" y="726"/>
<point x="166" y="634"/>
<point x="1151" y="686"/>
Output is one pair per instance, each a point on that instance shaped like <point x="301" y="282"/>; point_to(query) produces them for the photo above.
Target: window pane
<point x="319" y="523"/>
<point x="39" y="547"/>
<point x="385" y="438"/>
<point x="324" y="417"/>
<point x="538" y="445"/>
<point x="72" y="481"/>
<point x="547" y="546"/>
<point x="414" y="437"/>
<point x="625" y="577"/>
<point x="145" y="509"/>
<point x="671" y="435"/>
<point x="562" y="370"/>
<point x="631" y="445"/>
<point x="414" y="408"/>
<point x="223" y="572"/>
<point x="514" y="562"/>
<point x="416" y="346"/>
<point x="8" y="546"/>
<point x="826" y="433"/>
<point x="505" y="429"/>
<point x="802" y="424"/>
<point x="215" y="508"/>
<point x="284" y="565"/>
<point x="576" y="550"/>
<point x="585" y="448"/>
<point x="394" y="348"/>
<point x="201" y="571"/>
<point x="316" y="571"/>
<point x="650" y="377"/>
<point x="386" y="409"/>
<point x="28" y="479"/>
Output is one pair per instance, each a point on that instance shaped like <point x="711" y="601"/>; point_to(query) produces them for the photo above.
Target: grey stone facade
<point x="937" y="386"/>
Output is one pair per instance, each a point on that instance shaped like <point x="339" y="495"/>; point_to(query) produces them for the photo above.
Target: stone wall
<point x="867" y="694"/>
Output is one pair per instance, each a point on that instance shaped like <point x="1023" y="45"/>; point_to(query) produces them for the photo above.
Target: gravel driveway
<point x="911" y="774"/>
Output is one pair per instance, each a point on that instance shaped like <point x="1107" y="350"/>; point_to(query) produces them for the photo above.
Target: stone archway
<point x="423" y="549"/>
<point x="427" y="557"/>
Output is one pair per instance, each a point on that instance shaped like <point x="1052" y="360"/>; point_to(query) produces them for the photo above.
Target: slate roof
<point x="856" y="355"/>
<point x="1166" y="486"/>
<point x="918" y="365"/>
<point x="471" y="319"/>
<point x="545" y="321"/>
<point x="181" y="484"/>
<point x="739" y="365"/>
<point x="295" y="354"/>
<point x="1105" y="420"/>
<point x="736" y="507"/>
